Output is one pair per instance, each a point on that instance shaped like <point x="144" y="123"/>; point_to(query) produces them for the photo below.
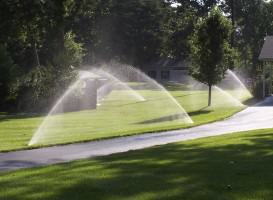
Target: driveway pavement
<point x="252" y="118"/>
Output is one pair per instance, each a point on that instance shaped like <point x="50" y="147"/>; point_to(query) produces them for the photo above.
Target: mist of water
<point x="57" y="108"/>
<point x="220" y="97"/>
<point x="154" y="85"/>
<point x="239" y="91"/>
<point x="137" y="104"/>
<point x="228" y="97"/>
<point x="104" y="90"/>
<point x="115" y="82"/>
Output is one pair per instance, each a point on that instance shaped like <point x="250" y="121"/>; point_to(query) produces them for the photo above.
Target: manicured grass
<point x="118" y="115"/>
<point x="230" y="167"/>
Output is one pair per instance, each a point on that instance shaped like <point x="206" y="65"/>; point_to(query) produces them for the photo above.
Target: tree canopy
<point x="48" y="36"/>
<point x="211" y="49"/>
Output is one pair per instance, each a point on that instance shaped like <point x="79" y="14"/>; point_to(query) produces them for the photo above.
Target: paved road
<point x="252" y="118"/>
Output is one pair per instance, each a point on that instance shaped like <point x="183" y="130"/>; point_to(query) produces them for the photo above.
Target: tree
<point x="211" y="50"/>
<point x="8" y="72"/>
<point x="202" y="7"/>
<point x="177" y="32"/>
<point x="252" y="21"/>
<point x="133" y="30"/>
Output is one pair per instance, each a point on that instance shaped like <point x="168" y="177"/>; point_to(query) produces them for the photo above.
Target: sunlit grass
<point x="117" y="117"/>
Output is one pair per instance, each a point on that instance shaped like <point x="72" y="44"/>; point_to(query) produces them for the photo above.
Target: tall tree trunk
<point x="209" y="100"/>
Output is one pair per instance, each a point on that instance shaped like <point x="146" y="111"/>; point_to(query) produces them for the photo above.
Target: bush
<point x="74" y="51"/>
<point x="72" y="55"/>
<point x="40" y="88"/>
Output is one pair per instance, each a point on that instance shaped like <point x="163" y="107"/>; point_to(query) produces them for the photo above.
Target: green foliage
<point x="6" y="65"/>
<point x="69" y="32"/>
<point x="30" y="88"/>
<point x="8" y="72"/>
<point x="178" y="31"/>
<point x="39" y="88"/>
<point x="74" y="51"/>
<point x="131" y="31"/>
<point x="202" y="7"/>
<point x="72" y="54"/>
<point x="211" y="50"/>
<point x="252" y="21"/>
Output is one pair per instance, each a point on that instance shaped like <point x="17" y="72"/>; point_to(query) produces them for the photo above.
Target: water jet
<point x="121" y="92"/>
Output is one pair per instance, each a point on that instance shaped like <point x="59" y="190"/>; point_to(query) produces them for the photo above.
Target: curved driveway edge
<point x="252" y="118"/>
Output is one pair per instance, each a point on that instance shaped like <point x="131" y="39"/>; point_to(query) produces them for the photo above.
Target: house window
<point x="152" y="74"/>
<point x="165" y="75"/>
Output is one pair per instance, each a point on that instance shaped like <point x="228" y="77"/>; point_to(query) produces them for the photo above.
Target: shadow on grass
<point x="12" y="116"/>
<point x="250" y="102"/>
<point x="230" y="168"/>
<point x="176" y="116"/>
<point x="167" y="85"/>
<point x="14" y="164"/>
<point x="161" y="99"/>
<point x="202" y="111"/>
<point x="164" y="119"/>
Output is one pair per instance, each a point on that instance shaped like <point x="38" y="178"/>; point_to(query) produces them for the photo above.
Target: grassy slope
<point x="116" y="118"/>
<point x="230" y="167"/>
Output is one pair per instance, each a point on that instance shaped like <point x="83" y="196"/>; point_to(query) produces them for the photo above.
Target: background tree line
<point x="42" y="41"/>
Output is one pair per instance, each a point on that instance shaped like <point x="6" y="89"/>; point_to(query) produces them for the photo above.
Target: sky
<point x="175" y="4"/>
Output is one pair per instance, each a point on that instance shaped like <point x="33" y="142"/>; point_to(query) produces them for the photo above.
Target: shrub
<point x="38" y="89"/>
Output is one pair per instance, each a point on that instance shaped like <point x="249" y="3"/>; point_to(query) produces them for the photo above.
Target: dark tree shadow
<point x="12" y="116"/>
<point x="164" y="119"/>
<point x="157" y="99"/>
<point x="174" y="117"/>
<point x="202" y="111"/>
<point x="250" y="102"/>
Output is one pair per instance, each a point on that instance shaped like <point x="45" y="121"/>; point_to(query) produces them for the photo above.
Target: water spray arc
<point x="243" y="92"/>
<point x="144" y="78"/>
<point x="55" y="109"/>
<point x="111" y="89"/>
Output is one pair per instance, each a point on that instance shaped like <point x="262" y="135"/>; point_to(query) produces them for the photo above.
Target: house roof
<point x="267" y="50"/>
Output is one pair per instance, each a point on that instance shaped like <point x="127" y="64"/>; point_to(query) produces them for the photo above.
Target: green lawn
<point x="230" y="167"/>
<point x="118" y="115"/>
